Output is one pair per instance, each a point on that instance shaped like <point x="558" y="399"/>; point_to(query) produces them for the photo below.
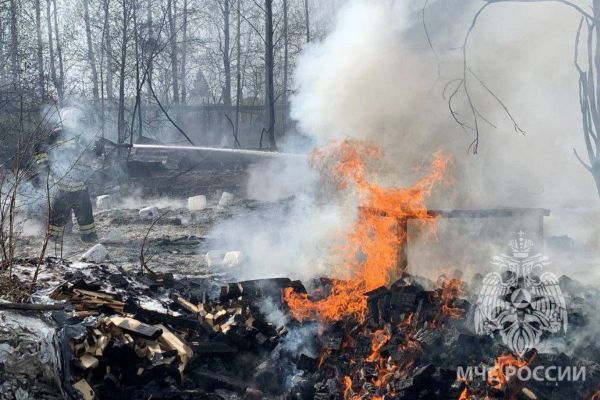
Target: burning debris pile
<point x="134" y="336"/>
<point x="416" y="341"/>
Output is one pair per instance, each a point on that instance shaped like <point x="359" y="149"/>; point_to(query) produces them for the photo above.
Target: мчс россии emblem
<point x="521" y="302"/>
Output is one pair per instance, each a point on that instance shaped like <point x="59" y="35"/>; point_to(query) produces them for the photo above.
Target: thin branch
<point x="516" y="125"/>
<point x="428" y="37"/>
<point x="582" y="162"/>
<point x="450" y="98"/>
<point x="237" y="142"/>
<point x="576" y="52"/>
<point x="259" y="6"/>
<point x="167" y="114"/>
<point x="258" y="32"/>
<point x="143" y="263"/>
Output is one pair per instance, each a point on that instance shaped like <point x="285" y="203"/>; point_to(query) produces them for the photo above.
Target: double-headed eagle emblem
<point x="520" y="301"/>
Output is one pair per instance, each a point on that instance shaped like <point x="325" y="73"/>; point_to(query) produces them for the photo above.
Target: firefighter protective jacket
<point x="67" y="159"/>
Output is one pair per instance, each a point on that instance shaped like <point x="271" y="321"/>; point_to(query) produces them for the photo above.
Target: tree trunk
<point x="184" y="53"/>
<point x="173" y="42"/>
<point x="108" y="50"/>
<point x="238" y="95"/>
<point x="307" y="20"/>
<point x="61" y="69"/>
<point x="40" y="48"/>
<point x="2" y="54"/>
<point x="285" y="63"/>
<point x="595" y="160"/>
<point x="51" y="50"/>
<point x="138" y="83"/>
<point x="121" y="114"/>
<point x="269" y="66"/>
<point x="14" y="43"/>
<point x="150" y="49"/>
<point x="226" y="58"/>
<point x="90" y="50"/>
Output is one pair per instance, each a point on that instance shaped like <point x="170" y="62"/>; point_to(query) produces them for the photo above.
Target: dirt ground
<point x="178" y="240"/>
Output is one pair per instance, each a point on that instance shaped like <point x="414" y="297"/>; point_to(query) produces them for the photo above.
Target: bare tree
<point x="238" y="97"/>
<point x="307" y="20"/>
<point x="226" y="56"/>
<point x="61" y="69"/>
<point x="269" y="67"/>
<point x="14" y="41"/>
<point x="39" y="48"/>
<point x="138" y="82"/>
<point x="589" y="92"/>
<point x="53" y="76"/>
<point x="113" y="60"/>
<point x="173" y="41"/>
<point x="108" y="51"/>
<point x="149" y="48"/>
<point x="90" y="50"/>
<point x="184" y="49"/>
<point x="124" y="40"/>
<point x="285" y="61"/>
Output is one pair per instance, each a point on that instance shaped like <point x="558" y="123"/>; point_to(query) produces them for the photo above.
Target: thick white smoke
<point x="292" y="238"/>
<point x="375" y="77"/>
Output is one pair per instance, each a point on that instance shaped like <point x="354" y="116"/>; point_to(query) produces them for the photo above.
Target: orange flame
<point x="464" y="395"/>
<point x="496" y="376"/>
<point x="378" y="339"/>
<point x="450" y="290"/>
<point x="370" y="254"/>
<point x="347" y="387"/>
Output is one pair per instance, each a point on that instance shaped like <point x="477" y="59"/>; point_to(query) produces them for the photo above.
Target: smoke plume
<point x="380" y="75"/>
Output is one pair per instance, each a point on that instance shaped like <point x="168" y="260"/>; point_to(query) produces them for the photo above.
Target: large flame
<point x="496" y="375"/>
<point x="371" y="250"/>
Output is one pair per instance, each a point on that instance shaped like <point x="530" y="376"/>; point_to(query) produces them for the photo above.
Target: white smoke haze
<point x="374" y="77"/>
<point x="293" y="240"/>
<point x="135" y="200"/>
<point x="280" y="179"/>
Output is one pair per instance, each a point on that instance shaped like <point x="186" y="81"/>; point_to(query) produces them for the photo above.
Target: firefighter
<point x="67" y="163"/>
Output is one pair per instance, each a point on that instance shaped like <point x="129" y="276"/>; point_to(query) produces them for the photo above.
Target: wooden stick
<point x="31" y="307"/>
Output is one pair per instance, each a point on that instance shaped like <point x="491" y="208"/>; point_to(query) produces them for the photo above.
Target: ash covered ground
<point x="178" y="241"/>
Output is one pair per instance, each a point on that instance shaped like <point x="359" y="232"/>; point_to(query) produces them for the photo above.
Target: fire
<point x="347" y="387"/>
<point x="464" y="395"/>
<point x="378" y="339"/>
<point x="450" y="290"/>
<point x="496" y="376"/>
<point x="371" y="249"/>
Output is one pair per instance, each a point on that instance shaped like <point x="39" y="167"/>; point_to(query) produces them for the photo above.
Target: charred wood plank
<point x="260" y="288"/>
<point x="213" y="348"/>
<point x="214" y="381"/>
<point x="31" y="307"/>
<point x="154" y="317"/>
<point x="132" y="325"/>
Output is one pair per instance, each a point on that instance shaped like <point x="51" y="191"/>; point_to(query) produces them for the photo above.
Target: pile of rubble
<point x="134" y="336"/>
<point x="120" y="344"/>
<point x="417" y="341"/>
